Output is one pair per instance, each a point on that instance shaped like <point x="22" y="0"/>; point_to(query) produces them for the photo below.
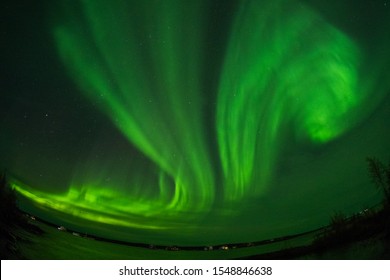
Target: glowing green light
<point x="284" y="66"/>
<point x="155" y="101"/>
<point x="98" y="205"/>
<point x="285" y="70"/>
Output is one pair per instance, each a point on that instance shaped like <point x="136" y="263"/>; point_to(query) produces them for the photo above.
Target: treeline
<point x="12" y="223"/>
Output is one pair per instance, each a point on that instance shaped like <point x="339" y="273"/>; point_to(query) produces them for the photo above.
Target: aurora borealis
<point x="197" y="121"/>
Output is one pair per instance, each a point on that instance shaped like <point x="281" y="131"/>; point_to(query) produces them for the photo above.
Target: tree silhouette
<point x="380" y="175"/>
<point x="9" y="220"/>
<point x="12" y="223"/>
<point x="8" y="207"/>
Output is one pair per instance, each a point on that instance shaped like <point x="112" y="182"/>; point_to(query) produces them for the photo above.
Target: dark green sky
<point x="194" y="121"/>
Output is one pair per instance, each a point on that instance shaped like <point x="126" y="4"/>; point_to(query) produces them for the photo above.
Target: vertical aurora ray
<point x="285" y="66"/>
<point x="147" y="81"/>
<point x="288" y="76"/>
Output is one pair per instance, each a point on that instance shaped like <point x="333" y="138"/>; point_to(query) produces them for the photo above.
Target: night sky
<point x="194" y="122"/>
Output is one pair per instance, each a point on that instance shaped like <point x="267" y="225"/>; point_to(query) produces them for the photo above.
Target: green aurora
<point x="204" y="155"/>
